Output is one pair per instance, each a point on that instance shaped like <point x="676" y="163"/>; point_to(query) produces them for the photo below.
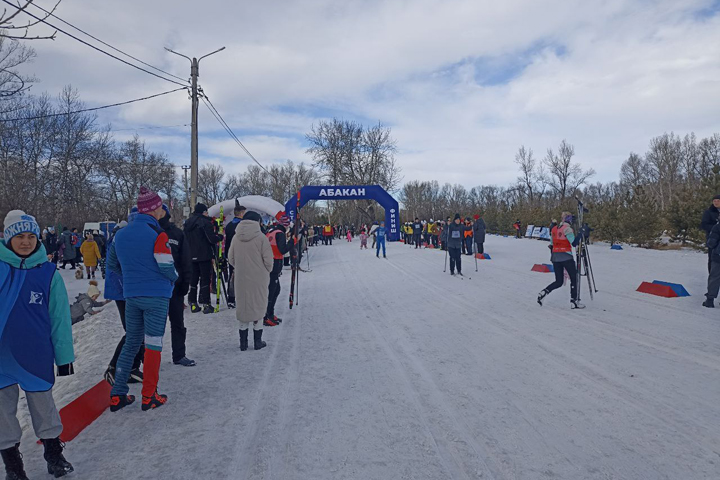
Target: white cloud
<point x="607" y="76"/>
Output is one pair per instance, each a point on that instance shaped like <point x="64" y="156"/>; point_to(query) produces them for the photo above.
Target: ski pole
<point x="446" y="255"/>
<point x="297" y="282"/>
<point x="307" y="254"/>
<point x="475" y="253"/>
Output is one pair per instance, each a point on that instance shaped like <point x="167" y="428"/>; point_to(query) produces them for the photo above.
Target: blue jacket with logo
<point x="35" y="324"/>
<point x="140" y="252"/>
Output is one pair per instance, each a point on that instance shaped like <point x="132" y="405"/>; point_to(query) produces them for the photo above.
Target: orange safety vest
<point x="272" y="236"/>
<point x="560" y="243"/>
<point x="468" y="233"/>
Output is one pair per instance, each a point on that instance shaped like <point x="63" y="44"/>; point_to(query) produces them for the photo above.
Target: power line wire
<point x="227" y="128"/>
<point x="93" y="46"/>
<point x="149" y="128"/>
<point x="3" y="120"/>
<point x="50" y="14"/>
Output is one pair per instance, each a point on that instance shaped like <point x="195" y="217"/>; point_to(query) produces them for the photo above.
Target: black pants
<point x="480" y="248"/>
<point x="468" y="245"/>
<point x="709" y="261"/>
<point x="141" y="353"/>
<point x="455" y="259"/>
<point x="274" y="288"/>
<point x="569" y="266"/>
<point x="202" y="272"/>
<point x="231" y="284"/>
<point x="71" y="262"/>
<point x="178" y="332"/>
<point x="417" y="240"/>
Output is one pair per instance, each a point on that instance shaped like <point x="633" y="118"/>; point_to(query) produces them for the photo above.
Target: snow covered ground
<point x="390" y="369"/>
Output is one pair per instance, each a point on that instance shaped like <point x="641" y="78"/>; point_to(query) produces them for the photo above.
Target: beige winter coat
<point x="251" y="256"/>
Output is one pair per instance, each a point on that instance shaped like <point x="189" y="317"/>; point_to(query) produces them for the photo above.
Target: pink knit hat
<point x="148" y="201"/>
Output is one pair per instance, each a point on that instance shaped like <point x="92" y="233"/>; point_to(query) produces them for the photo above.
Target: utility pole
<point x="194" y="74"/>
<point x="187" y="193"/>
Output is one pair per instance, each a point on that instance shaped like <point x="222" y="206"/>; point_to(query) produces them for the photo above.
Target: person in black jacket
<point x="479" y="234"/>
<point x="202" y="238"/>
<point x="239" y="212"/>
<point x="176" y="309"/>
<point x="280" y="246"/>
<point x="713" y="244"/>
<point x="417" y="233"/>
<point x="456" y="238"/>
<point x="709" y="220"/>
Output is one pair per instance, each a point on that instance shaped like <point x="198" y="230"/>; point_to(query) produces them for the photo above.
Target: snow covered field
<point x="390" y="369"/>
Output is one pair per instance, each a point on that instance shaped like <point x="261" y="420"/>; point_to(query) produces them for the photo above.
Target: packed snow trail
<point x="390" y="369"/>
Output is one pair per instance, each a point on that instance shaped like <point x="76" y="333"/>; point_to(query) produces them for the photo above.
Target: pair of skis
<point x="294" y="280"/>
<point x="219" y="273"/>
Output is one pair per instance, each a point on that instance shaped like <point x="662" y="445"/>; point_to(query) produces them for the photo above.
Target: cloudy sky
<point x="462" y="83"/>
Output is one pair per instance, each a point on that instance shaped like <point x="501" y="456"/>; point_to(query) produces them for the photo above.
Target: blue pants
<point x="380" y="241"/>
<point x="145" y="317"/>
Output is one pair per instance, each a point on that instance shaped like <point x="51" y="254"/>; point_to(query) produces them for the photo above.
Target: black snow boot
<point x="136" y="376"/>
<point x="257" y="337"/>
<point x="57" y="466"/>
<point x="208" y="309"/>
<point x="709" y="302"/>
<point x="195" y="308"/>
<point x="14" y="469"/>
<point x="109" y="375"/>
<point x="542" y="295"/>
<point x="243" y="340"/>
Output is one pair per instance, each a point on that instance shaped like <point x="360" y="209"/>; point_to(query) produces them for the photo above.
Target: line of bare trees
<point x="663" y="191"/>
<point x="66" y="169"/>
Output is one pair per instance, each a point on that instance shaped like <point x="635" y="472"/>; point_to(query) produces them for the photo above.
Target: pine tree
<point x="642" y="224"/>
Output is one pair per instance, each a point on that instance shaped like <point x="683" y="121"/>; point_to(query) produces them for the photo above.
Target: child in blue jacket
<point x="35" y="332"/>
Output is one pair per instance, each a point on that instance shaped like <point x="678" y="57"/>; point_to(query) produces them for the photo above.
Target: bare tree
<point x="12" y="82"/>
<point x="9" y="23"/>
<point x="532" y="176"/>
<point x="564" y="176"/>
<point x="634" y="171"/>
<point x="211" y="185"/>
<point x="347" y="153"/>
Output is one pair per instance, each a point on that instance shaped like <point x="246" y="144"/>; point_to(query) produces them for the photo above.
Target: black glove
<point x="576" y="241"/>
<point x="550" y="247"/>
<point x="65" y="370"/>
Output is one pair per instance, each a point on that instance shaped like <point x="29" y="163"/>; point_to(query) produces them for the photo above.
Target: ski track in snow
<point x="390" y="369"/>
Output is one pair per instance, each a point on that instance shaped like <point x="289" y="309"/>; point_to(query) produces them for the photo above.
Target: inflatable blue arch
<point x="351" y="192"/>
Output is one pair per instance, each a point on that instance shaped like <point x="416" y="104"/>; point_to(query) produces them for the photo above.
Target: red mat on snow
<point x="540" y="268"/>
<point x="657" y="289"/>
<point x="81" y="412"/>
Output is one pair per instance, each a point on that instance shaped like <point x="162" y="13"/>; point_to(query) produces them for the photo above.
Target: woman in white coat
<point x="251" y="256"/>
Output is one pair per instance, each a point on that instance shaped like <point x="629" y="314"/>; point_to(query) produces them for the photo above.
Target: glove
<point x="65" y="370"/>
<point x="550" y="247"/>
<point x="220" y="237"/>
